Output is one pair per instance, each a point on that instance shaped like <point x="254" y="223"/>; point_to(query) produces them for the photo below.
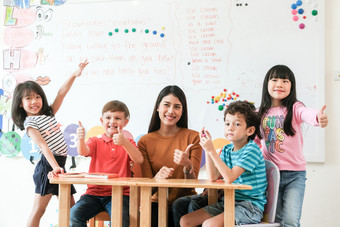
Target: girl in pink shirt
<point x="282" y="142"/>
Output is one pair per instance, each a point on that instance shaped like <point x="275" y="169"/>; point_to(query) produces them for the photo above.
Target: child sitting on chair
<point x="239" y="162"/>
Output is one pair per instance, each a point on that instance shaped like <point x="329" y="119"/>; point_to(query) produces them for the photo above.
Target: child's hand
<point x="78" y="72"/>
<point x="55" y="172"/>
<point x="119" y="138"/>
<point x="322" y="117"/>
<point x="164" y="173"/>
<point x="81" y="132"/>
<point x="182" y="157"/>
<point x="206" y="142"/>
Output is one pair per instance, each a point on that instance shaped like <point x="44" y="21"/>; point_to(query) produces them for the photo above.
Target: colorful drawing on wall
<point x="10" y="144"/>
<point x="70" y="135"/>
<point x="18" y="37"/>
<point x="223" y="99"/>
<point x="1" y="117"/>
<point x="29" y="149"/>
<point x="95" y="131"/>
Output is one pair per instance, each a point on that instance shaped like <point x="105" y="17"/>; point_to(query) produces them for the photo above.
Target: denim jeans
<point x="290" y="200"/>
<point x="89" y="206"/>
<point x="187" y="204"/>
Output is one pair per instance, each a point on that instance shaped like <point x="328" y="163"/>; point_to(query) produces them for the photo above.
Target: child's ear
<point x="101" y="120"/>
<point x="126" y="122"/>
<point x="250" y="130"/>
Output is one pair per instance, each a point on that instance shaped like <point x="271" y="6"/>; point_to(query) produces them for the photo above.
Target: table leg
<point x="229" y="207"/>
<point x="212" y="196"/>
<point x="134" y="206"/>
<point x="117" y="206"/>
<point x="64" y="205"/>
<point x="163" y="207"/>
<point x="145" y="212"/>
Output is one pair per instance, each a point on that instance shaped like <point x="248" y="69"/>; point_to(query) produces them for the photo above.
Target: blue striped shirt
<point x="251" y="159"/>
<point x="50" y="131"/>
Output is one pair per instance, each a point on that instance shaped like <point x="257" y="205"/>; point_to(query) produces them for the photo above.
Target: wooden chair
<point x="104" y="216"/>
<point x="99" y="219"/>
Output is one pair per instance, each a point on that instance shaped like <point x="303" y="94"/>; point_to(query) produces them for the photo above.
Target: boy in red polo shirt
<point x="111" y="153"/>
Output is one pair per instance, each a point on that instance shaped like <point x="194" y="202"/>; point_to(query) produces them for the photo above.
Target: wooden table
<point x="117" y="197"/>
<point x="163" y="186"/>
<point x="145" y="186"/>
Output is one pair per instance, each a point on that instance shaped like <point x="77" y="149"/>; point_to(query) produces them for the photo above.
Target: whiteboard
<point x="135" y="48"/>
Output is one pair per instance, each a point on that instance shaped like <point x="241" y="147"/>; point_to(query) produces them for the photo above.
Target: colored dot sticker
<point x="314" y="12"/>
<point x="154" y="32"/>
<point x="301" y="11"/>
<point x="220" y="107"/>
<point x="161" y="35"/>
<point x="147" y="31"/>
<point x="294" y="6"/>
<point x="110" y="33"/>
<point x="116" y="30"/>
<point x="302" y="26"/>
<point x="294" y="11"/>
<point x="299" y="3"/>
<point x="295" y="18"/>
<point x="126" y="30"/>
<point x="133" y="30"/>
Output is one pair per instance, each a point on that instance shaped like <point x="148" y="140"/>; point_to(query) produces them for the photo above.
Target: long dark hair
<point x="155" y="122"/>
<point x="21" y="90"/>
<point x="281" y="72"/>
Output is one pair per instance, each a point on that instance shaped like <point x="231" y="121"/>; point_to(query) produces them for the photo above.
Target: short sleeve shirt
<point x="49" y="129"/>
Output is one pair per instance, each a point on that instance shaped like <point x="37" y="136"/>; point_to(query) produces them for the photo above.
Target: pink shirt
<point x="106" y="157"/>
<point x="285" y="151"/>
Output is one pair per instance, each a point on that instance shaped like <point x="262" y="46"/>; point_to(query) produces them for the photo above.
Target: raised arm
<point x="82" y="148"/>
<point x="215" y="165"/>
<point x="64" y="89"/>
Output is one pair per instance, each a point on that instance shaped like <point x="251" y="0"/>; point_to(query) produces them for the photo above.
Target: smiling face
<point x="170" y="111"/>
<point x="236" y="131"/>
<point x="278" y="90"/>
<point x="112" y="120"/>
<point x="32" y="104"/>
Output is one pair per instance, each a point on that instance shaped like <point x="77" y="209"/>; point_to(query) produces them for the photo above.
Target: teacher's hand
<point x="164" y="173"/>
<point x="182" y="157"/>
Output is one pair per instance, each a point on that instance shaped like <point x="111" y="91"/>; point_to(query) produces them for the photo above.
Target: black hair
<point x="281" y="72"/>
<point x="21" y="90"/>
<point x="251" y="116"/>
<point x="174" y="90"/>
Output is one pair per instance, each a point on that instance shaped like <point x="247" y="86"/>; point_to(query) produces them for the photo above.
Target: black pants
<point x="154" y="216"/>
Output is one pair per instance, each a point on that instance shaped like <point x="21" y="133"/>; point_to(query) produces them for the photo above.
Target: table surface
<point x="180" y="183"/>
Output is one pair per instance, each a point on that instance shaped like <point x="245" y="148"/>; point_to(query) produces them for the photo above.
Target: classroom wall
<point x="323" y="186"/>
<point x="321" y="205"/>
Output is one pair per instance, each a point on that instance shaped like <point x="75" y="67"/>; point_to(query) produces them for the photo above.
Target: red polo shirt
<point x="106" y="157"/>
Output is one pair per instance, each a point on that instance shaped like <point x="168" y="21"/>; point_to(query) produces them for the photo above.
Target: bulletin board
<point x="210" y="48"/>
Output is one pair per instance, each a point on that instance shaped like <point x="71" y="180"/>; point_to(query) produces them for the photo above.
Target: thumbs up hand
<point x="81" y="132"/>
<point x="182" y="157"/>
<point x="322" y="117"/>
<point x="119" y="137"/>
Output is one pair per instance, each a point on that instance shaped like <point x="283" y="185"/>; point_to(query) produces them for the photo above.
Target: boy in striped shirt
<point x="239" y="162"/>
